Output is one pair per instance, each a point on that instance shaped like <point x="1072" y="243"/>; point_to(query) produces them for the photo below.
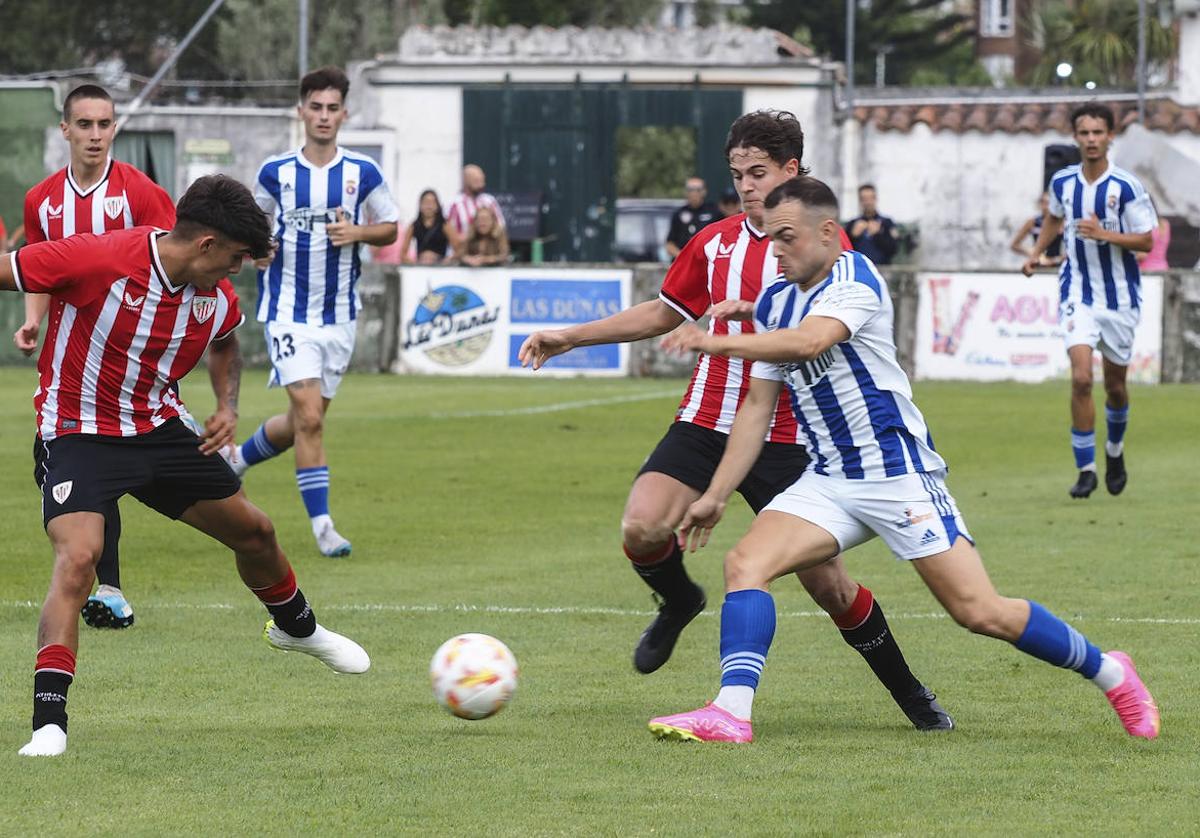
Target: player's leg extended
<point x="77" y="539"/>
<point x="864" y="627"/>
<point x="777" y="543"/>
<point x="961" y="584"/>
<point x="1083" y="420"/>
<point x="307" y="414"/>
<point x="656" y="505"/>
<point x="108" y="608"/>
<point x="1116" y="408"/>
<point x="265" y="570"/>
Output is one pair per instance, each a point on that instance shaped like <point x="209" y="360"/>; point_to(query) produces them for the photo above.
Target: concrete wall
<point x="813" y="106"/>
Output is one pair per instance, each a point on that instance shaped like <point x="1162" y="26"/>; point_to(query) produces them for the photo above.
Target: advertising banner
<point x="1004" y="326"/>
<point x="472" y="321"/>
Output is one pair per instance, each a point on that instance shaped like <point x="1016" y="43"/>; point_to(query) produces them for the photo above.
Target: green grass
<point x="509" y="525"/>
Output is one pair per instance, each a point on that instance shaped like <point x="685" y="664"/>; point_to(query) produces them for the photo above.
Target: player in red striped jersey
<point x="93" y="194"/>
<point x="720" y="272"/>
<point x="136" y="311"/>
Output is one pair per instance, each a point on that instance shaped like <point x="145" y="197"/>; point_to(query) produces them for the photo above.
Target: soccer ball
<point x="473" y="675"/>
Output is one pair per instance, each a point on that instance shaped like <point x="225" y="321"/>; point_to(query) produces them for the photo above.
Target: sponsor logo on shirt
<point x="134" y="303"/>
<point x="54" y="211"/>
<point x="724" y="251"/>
<point x="911" y="518"/>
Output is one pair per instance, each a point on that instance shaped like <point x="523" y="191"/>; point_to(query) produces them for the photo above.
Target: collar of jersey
<point x="83" y="193"/>
<point x="1103" y="175"/>
<point x="301" y="160"/>
<point x="159" y="271"/>
<point x="751" y="229"/>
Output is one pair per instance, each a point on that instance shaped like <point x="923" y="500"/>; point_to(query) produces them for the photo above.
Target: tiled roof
<point x="1014" y="117"/>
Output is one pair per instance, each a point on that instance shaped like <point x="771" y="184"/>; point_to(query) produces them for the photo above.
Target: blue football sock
<point x="1050" y="639"/>
<point x="1083" y="443"/>
<point x="314" y="489"/>
<point x="747" y="627"/>
<point x="1118" y="418"/>
<point x="258" y="448"/>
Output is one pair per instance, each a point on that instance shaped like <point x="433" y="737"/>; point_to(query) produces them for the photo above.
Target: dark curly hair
<point x="220" y="204"/>
<point x="778" y="133"/>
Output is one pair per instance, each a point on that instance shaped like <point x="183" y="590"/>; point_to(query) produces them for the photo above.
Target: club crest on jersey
<point x="351" y="187"/>
<point x="113" y="207"/>
<point x="203" y="308"/>
<point x="62" y="491"/>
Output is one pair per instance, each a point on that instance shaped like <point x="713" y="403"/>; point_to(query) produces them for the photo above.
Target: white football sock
<point x="1114" y="449"/>
<point x="319" y="522"/>
<point x="1111" y="673"/>
<point x="736" y="701"/>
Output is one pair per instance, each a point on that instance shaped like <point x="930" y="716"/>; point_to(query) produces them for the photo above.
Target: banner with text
<point x="1004" y="326"/>
<point x="472" y="321"/>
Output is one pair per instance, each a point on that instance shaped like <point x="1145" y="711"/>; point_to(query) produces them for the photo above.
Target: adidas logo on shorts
<point x="928" y="537"/>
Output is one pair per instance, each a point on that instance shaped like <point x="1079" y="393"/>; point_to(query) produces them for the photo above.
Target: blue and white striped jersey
<point x="1099" y="273"/>
<point x="311" y="280"/>
<point x="853" y="403"/>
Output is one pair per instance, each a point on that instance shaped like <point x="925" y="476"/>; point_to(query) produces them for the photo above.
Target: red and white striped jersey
<point x="125" y="333"/>
<point x="122" y="198"/>
<point x="727" y="260"/>
<point x="462" y="211"/>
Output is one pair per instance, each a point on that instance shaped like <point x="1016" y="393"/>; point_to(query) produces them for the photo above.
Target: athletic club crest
<point x="113" y="207"/>
<point x="203" y="308"/>
<point x="62" y="491"/>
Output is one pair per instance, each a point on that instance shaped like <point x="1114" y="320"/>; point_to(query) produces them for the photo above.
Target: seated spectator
<point x="1027" y="236"/>
<point x="730" y="203"/>
<point x="1155" y="259"/>
<point x="487" y="243"/>
<point x="874" y="235"/>
<point x="473" y="196"/>
<point x="430" y="239"/>
<point x="691" y="217"/>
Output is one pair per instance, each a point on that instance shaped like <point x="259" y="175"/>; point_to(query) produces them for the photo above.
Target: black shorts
<point x="690" y="454"/>
<point x="163" y="469"/>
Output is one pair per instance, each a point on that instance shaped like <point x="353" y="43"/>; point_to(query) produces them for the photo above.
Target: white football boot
<point x="341" y="654"/>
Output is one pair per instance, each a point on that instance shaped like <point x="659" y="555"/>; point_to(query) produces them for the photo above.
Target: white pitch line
<point x="557" y="406"/>
<point x="568" y="610"/>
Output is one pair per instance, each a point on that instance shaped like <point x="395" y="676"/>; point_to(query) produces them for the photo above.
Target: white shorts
<point x="1100" y="328"/>
<point x="301" y="351"/>
<point x="914" y="513"/>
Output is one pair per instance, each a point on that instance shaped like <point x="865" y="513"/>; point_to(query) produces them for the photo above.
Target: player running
<point x="826" y="332"/>
<point x="138" y="309"/>
<point x="1107" y="215"/>
<point x="320" y="198"/>
<point x="721" y="269"/>
<point x="93" y="194"/>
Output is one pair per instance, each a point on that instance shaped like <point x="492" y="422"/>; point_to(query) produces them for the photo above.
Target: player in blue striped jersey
<point x="325" y="203"/>
<point x="827" y="334"/>
<point x="1104" y="215"/>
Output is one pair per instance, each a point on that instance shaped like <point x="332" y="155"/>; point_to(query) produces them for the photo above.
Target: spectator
<point x="691" y="217"/>
<point x="1160" y="239"/>
<point x="487" y="243"/>
<point x="874" y="235"/>
<point x="1031" y="229"/>
<point x="729" y="203"/>
<point x="433" y="236"/>
<point x="473" y="196"/>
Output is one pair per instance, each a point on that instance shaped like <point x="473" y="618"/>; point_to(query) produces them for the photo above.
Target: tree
<point x="1098" y="38"/>
<point x="913" y="34"/>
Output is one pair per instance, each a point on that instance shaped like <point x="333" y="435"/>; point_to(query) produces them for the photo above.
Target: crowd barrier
<point x="975" y="325"/>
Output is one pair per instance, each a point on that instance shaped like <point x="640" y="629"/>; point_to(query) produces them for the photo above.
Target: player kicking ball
<point x="140" y="308"/>
<point x="826" y="332"/>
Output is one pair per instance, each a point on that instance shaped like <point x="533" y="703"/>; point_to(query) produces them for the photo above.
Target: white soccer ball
<point x="473" y="675"/>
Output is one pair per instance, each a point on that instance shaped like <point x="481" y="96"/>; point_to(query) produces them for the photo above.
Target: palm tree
<point x="1098" y="38"/>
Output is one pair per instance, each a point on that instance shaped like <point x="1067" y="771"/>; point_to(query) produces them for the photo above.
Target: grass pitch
<point x="472" y="510"/>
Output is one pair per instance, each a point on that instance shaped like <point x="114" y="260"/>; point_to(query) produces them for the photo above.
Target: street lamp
<point x="1063" y="70"/>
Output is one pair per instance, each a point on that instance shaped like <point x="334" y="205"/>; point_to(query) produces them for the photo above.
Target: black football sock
<point x="108" y="570"/>
<point x="866" y="629"/>
<point x="665" y="574"/>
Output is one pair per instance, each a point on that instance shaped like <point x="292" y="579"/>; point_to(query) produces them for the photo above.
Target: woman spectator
<point x="1155" y="259"/>
<point x="487" y="243"/>
<point x="1025" y="239"/>
<point x="433" y="235"/>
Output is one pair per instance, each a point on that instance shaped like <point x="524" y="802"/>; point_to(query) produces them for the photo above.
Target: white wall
<point x="427" y="121"/>
<point x="813" y="106"/>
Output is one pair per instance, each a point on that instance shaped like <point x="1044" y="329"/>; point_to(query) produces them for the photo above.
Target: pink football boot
<point x="1133" y="702"/>
<point x="708" y="724"/>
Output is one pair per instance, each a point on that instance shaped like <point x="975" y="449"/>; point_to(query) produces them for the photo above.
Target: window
<point x="996" y="18"/>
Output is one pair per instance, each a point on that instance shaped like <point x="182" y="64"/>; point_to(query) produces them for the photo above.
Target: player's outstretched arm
<point x="225" y="370"/>
<point x="644" y="320"/>
<point x="814" y="335"/>
<point x="750" y="428"/>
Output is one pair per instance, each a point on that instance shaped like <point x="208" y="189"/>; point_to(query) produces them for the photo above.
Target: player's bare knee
<point x="643" y="536"/>
<point x="742" y="572"/>
<point x="257" y="535"/>
<point x="1081" y="383"/>
<point x="981" y="616"/>
<point x="308" y="423"/>
<point x="833" y="592"/>
<point x="75" y="566"/>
